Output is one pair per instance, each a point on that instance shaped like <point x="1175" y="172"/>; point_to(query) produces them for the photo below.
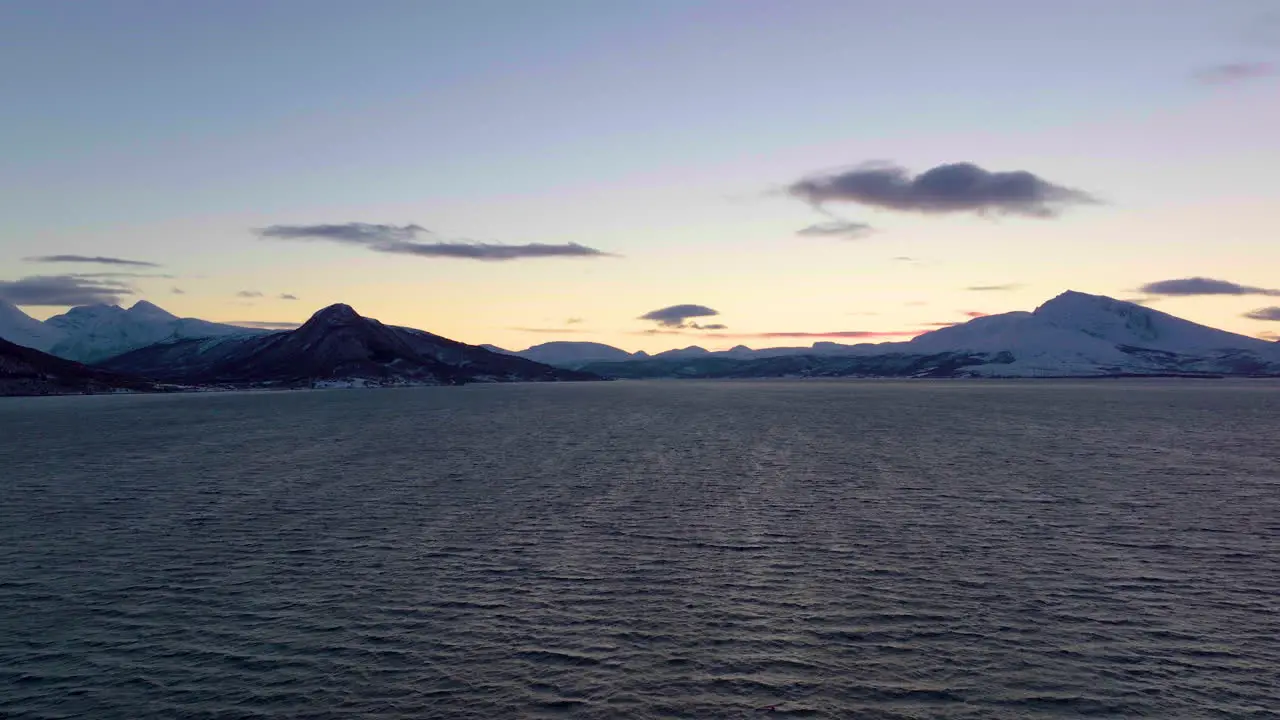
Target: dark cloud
<point x="952" y="188"/>
<point x="59" y="290"/>
<point x="265" y="324"/>
<point x="846" y="229"/>
<point x="712" y="326"/>
<point x="353" y="232"/>
<point x="248" y="294"/>
<point x="403" y="240"/>
<point x="491" y="251"/>
<point x="96" y="259"/>
<point x="1227" y="73"/>
<point x="675" y="316"/>
<point x="1267" y="313"/>
<point x="1203" y="286"/>
<point x="993" y="288"/>
<point x="178" y="291"/>
<point x="288" y="296"/>
<point x="119" y="275"/>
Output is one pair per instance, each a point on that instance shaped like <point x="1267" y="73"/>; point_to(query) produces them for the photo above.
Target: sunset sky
<point x="513" y="172"/>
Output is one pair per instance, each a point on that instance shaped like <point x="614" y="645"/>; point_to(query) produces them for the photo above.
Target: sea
<point x="666" y="549"/>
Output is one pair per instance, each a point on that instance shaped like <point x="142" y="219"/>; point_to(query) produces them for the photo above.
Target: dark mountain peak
<point x="336" y="314"/>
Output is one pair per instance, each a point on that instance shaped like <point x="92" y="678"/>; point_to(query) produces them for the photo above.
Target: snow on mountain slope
<point x="1072" y="335"/>
<point x="1080" y="334"/>
<point x="21" y="329"/>
<point x="96" y="332"/>
<point x="1124" y="323"/>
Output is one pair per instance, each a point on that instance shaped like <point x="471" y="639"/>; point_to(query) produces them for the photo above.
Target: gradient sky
<point x="665" y="133"/>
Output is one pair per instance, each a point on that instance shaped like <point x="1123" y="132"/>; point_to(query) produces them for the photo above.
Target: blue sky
<point x="663" y="133"/>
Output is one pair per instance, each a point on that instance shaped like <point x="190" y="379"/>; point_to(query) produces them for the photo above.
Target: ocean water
<point x="646" y="550"/>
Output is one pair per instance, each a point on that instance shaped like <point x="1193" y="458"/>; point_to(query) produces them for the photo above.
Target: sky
<point x="513" y="172"/>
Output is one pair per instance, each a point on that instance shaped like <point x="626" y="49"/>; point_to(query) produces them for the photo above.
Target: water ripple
<point x="645" y="550"/>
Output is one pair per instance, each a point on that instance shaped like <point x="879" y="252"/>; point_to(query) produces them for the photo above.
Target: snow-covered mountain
<point x="1080" y="334"/>
<point x="90" y="333"/>
<point x="21" y="329"/>
<point x="1072" y="335"/>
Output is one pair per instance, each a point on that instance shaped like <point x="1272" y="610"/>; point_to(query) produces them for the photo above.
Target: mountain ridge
<point x="1071" y="335"/>
<point x="335" y="347"/>
<point x="27" y="371"/>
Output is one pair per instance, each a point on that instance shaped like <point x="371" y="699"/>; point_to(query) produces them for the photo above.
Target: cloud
<point x="353" y="232"/>
<point x="265" y="324"/>
<point x="1203" y="286"/>
<point x="288" y="296"/>
<point x="941" y="324"/>
<point x="491" y="251"/>
<point x="975" y="313"/>
<point x="951" y="188"/>
<point x="712" y="326"/>
<point x="574" y="321"/>
<point x="248" y="294"/>
<point x="1267" y="313"/>
<point x="903" y="258"/>
<point x="847" y="229"/>
<point x="119" y="275"/>
<point x="548" y="331"/>
<point x="1228" y="73"/>
<point x="59" y="290"/>
<point x="674" y="316"/>
<point x="403" y="240"/>
<point x="178" y="291"/>
<point x="96" y="259"/>
<point x="1268" y="335"/>
<point x="993" y="288"/>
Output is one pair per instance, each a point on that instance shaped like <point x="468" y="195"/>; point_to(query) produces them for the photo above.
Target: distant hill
<point x="26" y="371"/>
<point x="1073" y="335"/>
<point x="336" y="347"/>
<point x="572" y="354"/>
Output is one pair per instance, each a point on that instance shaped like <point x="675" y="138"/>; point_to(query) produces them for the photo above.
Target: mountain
<point x="95" y="332"/>
<point x="689" y="352"/>
<point x="573" y="354"/>
<point x="1071" y="335"/>
<point x="25" y="371"/>
<point x="22" y="329"/>
<point x="336" y="347"/>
